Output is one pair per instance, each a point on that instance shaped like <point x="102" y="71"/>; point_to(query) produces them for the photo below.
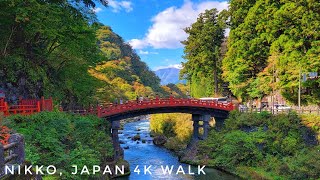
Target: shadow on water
<point x="145" y="154"/>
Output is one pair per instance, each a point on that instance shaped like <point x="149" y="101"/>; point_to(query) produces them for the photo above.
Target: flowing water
<point x="142" y="155"/>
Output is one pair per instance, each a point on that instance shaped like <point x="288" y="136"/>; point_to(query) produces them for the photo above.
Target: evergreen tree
<point x="268" y="43"/>
<point x="202" y="52"/>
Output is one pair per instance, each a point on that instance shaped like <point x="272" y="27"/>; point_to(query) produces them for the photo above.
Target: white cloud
<point x="178" y="66"/>
<point x="119" y="5"/>
<point x="146" y="52"/>
<point x="167" y="29"/>
<point x="96" y="10"/>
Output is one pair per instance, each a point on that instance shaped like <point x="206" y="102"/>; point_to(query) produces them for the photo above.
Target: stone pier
<point x="197" y="118"/>
<point x="118" y="151"/>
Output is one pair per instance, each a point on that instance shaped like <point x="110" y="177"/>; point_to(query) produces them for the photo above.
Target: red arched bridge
<point x="201" y="111"/>
<point x="129" y="109"/>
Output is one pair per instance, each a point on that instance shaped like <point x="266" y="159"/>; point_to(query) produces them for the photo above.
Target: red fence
<point x="26" y="106"/>
<point x="4" y="106"/>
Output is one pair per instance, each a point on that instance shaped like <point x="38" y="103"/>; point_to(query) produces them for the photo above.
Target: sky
<point x="154" y="28"/>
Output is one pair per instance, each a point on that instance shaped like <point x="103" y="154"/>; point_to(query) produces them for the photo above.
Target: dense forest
<point x="59" y="49"/>
<point x="270" y="45"/>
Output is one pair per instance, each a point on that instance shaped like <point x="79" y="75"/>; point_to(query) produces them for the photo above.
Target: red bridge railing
<point x="112" y="109"/>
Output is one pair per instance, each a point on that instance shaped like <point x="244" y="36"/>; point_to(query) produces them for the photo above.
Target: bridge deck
<point x="161" y="103"/>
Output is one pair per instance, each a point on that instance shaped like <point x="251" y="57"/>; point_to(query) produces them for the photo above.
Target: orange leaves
<point x="4" y="135"/>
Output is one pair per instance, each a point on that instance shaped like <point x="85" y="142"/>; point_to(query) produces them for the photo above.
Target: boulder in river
<point x="121" y="142"/>
<point x="126" y="147"/>
<point x="136" y="137"/>
<point x="143" y="141"/>
<point x="159" y="140"/>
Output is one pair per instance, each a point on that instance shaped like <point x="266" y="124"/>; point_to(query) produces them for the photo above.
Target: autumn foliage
<point x="4" y="135"/>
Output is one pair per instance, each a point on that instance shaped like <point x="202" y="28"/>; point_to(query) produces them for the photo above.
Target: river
<point x="142" y="155"/>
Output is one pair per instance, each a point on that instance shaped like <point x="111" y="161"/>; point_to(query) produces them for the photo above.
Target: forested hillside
<point x="124" y="74"/>
<point x="270" y="46"/>
<point x="273" y="39"/>
<point x="58" y="49"/>
<point x="46" y="48"/>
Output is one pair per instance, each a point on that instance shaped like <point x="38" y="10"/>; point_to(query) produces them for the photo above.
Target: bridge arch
<point x="201" y="112"/>
<point x="169" y="105"/>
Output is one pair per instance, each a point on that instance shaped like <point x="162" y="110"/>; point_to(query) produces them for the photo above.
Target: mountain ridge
<point x="169" y="75"/>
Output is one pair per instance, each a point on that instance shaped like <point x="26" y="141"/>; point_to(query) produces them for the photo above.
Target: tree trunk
<point x="215" y="74"/>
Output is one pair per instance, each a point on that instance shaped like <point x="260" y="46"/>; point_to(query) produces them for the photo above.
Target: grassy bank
<point x="62" y="140"/>
<point x="176" y="127"/>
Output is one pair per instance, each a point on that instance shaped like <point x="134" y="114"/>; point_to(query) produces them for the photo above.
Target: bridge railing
<point x="12" y="153"/>
<point x="111" y="109"/>
<point x="135" y="105"/>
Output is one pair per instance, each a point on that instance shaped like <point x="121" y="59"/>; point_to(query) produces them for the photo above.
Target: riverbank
<point x="63" y="140"/>
<point x="261" y="146"/>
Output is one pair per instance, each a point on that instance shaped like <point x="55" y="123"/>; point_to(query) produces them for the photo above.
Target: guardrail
<point x="307" y="111"/>
<point x="277" y="111"/>
<point x="12" y="154"/>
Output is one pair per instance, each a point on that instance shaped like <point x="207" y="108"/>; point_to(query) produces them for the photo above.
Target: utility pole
<point x="272" y="97"/>
<point x="299" y="93"/>
<point x="190" y="89"/>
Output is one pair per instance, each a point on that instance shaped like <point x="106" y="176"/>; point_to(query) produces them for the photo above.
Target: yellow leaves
<point x="109" y="64"/>
<point x="98" y="75"/>
<point x="182" y="125"/>
<point x="166" y="88"/>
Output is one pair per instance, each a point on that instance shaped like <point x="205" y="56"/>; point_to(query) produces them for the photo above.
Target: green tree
<point x="272" y="39"/>
<point x="46" y="50"/>
<point x="202" y="52"/>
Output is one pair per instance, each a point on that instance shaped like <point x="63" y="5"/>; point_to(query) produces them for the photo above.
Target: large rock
<point x="159" y="140"/>
<point x="136" y="137"/>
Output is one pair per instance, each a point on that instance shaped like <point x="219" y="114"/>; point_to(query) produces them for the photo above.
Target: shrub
<point x="54" y="138"/>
